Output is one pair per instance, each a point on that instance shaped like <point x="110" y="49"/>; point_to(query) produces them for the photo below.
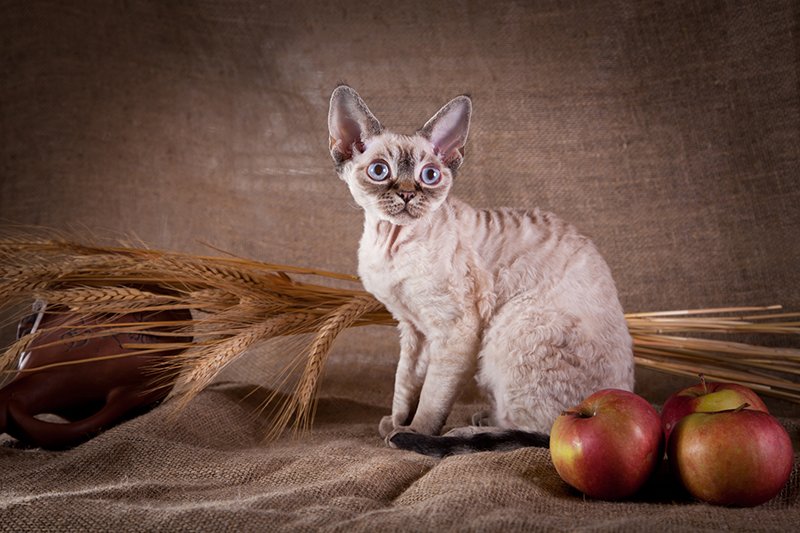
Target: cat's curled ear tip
<point x="343" y="89"/>
<point x="465" y="100"/>
<point x="339" y="91"/>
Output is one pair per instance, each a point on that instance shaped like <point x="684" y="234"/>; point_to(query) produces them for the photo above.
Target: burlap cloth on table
<point x="669" y="132"/>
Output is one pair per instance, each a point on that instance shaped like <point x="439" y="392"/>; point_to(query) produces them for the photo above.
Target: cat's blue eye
<point x="378" y="170"/>
<point x="430" y="175"/>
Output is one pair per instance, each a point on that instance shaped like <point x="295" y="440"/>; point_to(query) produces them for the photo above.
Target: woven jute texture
<point x="667" y="131"/>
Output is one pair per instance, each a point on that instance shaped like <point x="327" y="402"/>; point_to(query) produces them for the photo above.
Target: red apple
<point x="609" y="445"/>
<point x="707" y="397"/>
<point x="738" y="457"/>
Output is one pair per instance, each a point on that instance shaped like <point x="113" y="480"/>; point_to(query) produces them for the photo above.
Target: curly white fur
<point x="518" y="299"/>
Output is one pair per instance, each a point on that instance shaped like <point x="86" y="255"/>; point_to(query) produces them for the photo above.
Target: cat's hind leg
<point x="482" y="418"/>
<point x="467" y="431"/>
<point x="534" y="363"/>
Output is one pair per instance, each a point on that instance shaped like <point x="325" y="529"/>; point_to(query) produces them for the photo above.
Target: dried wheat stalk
<point x="238" y="303"/>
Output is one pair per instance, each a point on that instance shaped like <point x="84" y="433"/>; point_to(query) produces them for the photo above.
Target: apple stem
<point x="578" y="412"/>
<point x="703" y="382"/>
<point x="741" y="407"/>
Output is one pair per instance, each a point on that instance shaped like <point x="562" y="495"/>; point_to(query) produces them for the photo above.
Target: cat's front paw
<point x="386" y="426"/>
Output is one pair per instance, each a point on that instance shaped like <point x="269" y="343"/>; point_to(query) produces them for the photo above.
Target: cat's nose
<point x="406" y="195"/>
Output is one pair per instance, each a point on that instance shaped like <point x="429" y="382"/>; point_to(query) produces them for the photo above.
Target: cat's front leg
<point x="408" y="379"/>
<point x="452" y="360"/>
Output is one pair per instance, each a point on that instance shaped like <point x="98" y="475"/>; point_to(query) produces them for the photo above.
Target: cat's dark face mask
<point x="397" y="178"/>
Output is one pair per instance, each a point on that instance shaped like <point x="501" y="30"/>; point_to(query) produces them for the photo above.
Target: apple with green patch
<point x="707" y="397"/>
<point x="609" y="445"/>
<point x="739" y="457"/>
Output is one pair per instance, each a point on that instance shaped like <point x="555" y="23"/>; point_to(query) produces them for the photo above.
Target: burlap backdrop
<point x="667" y="132"/>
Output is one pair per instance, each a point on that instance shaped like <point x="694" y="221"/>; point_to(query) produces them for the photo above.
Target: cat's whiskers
<point x="353" y="204"/>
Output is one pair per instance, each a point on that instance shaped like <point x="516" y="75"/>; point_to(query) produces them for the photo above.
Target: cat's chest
<point x="411" y="280"/>
<point x="398" y="274"/>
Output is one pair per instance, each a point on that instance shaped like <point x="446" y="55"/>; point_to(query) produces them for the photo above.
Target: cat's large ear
<point x="448" y="130"/>
<point x="350" y="124"/>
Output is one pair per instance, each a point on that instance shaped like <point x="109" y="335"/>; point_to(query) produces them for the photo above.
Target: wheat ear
<point x="302" y="406"/>
<point x="237" y="303"/>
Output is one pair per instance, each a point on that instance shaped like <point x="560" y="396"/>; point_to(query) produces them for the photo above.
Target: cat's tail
<point x="442" y="446"/>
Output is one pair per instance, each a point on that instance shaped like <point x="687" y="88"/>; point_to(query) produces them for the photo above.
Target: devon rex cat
<point x="517" y="298"/>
